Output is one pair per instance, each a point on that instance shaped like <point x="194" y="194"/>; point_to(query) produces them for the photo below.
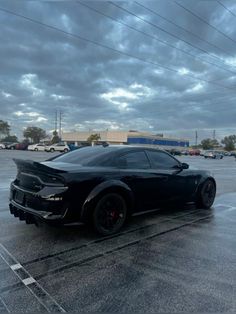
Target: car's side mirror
<point x="184" y="165"/>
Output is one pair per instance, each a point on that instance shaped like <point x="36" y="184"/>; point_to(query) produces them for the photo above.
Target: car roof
<point x="97" y="153"/>
<point x="113" y="148"/>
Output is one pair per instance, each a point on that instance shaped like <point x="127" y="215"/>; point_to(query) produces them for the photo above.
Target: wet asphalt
<point x="175" y="260"/>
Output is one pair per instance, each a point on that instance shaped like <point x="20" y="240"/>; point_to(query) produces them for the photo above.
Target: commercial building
<point x="128" y="138"/>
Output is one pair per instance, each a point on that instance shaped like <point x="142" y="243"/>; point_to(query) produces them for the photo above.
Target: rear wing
<point x="31" y="165"/>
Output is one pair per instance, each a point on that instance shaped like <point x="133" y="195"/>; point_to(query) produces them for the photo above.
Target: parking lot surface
<point x="175" y="260"/>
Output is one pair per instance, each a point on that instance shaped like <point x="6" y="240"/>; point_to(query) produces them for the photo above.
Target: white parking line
<point x="4" y="304"/>
<point x="47" y="301"/>
<point x="28" y="281"/>
<point x="16" y="266"/>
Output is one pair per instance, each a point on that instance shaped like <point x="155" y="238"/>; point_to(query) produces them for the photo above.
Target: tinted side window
<point x="135" y="160"/>
<point x="161" y="160"/>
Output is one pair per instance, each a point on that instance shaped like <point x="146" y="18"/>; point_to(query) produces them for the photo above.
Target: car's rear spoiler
<point x="30" y="165"/>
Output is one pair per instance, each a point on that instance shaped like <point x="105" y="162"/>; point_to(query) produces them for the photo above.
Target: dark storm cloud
<point x="96" y="88"/>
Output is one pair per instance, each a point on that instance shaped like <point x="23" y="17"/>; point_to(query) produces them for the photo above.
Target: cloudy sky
<point x="158" y="66"/>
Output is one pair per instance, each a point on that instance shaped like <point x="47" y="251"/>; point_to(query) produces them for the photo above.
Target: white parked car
<point x="2" y="146"/>
<point x="59" y="147"/>
<point x="37" y="147"/>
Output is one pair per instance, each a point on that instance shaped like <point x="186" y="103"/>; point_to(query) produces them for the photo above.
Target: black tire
<point x="109" y="214"/>
<point x="36" y="149"/>
<point x="206" y="194"/>
<point x="12" y="147"/>
<point x="52" y="150"/>
<point x="66" y="150"/>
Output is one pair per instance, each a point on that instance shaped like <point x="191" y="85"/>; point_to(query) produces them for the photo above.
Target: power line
<point x="220" y="102"/>
<point x="153" y="37"/>
<point x="108" y="47"/>
<point x="173" y="111"/>
<point x="201" y="19"/>
<point x="163" y="30"/>
<point x="181" y="27"/>
<point x="220" y="3"/>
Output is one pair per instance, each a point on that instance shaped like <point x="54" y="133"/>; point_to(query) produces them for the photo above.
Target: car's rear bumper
<point x="32" y="204"/>
<point x="46" y="215"/>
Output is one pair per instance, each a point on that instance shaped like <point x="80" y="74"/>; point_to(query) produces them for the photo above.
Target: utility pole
<point x="60" y="119"/>
<point x="214" y="134"/>
<point x="56" y="120"/>
<point x="196" y="137"/>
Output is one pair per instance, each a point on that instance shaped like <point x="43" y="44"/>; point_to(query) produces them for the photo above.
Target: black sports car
<point x="104" y="185"/>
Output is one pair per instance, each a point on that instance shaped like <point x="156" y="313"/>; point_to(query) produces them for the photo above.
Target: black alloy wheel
<point x="206" y="195"/>
<point x="110" y="214"/>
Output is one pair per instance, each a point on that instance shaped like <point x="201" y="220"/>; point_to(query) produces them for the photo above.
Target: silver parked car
<point x="213" y="154"/>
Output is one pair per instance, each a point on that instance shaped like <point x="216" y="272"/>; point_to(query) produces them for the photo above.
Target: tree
<point x="199" y="146"/>
<point x="93" y="138"/>
<point x="215" y="143"/>
<point x="34" y="133"/>
<point x="55" y="138"/>
<point x="229" y="142"/>
<point x="208" y="143"/>
<point x="4" y="128"/>
<point x="10" y="138"/>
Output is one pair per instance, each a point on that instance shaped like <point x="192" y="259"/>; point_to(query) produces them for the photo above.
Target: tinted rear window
<point x="88" y="156"/>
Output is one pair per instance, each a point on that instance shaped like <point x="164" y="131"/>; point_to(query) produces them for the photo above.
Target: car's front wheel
<point x="36" y="149"/>
<point x="109" y="214"/>
<point x="206" y="194"/>
<point x="65" y="150"/>
<point x="52" y="150"/>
